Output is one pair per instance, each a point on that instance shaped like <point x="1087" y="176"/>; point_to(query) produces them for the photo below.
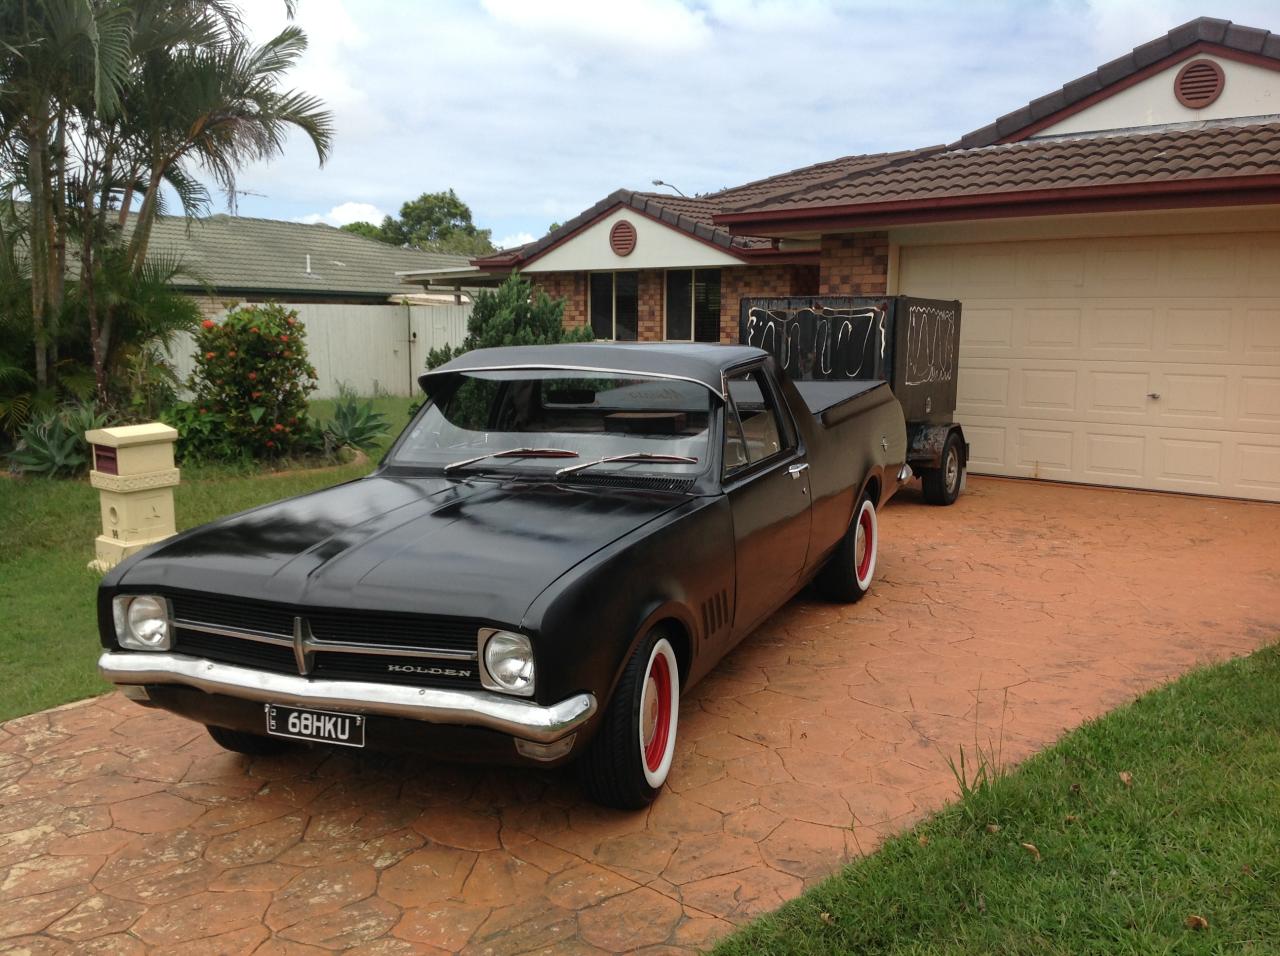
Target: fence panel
<point x="369" y="348"/>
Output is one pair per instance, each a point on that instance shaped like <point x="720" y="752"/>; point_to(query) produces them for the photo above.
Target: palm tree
<point x="102" y="100"/>
<point x="56" y="56"/>
<point x="215" y="108"/>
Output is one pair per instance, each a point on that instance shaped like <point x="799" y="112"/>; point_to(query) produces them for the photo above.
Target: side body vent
<point x="715" y="614"/>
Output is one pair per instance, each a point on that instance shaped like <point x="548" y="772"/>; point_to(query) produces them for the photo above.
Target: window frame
<point x="789" y="436"/>
<point x="693" y="304"/>
<point x="613" y="300"/>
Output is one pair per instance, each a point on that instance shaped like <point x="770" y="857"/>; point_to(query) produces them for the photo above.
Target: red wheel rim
<point x="655" y="747"/>
<point x="869" y="543"/>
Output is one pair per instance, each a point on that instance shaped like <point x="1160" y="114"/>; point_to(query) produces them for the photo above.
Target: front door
<point x="766" y="478"/>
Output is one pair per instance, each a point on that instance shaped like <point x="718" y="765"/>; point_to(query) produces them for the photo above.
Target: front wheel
<point x="630" y="756"/>
<point x="848" y="573"/>
<point x="941" y="485"/>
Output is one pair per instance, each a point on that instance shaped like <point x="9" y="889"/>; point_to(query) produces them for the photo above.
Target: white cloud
<point x="344" y="214"/>
<point x="665" y="25"/>
<point x="516" y="239"/>
<point x="532" y="112"/>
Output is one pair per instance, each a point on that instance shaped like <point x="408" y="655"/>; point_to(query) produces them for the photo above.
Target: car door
<point x="766" y="479"/>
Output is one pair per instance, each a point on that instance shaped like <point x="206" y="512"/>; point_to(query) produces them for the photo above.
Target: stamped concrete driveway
<point x="1027" y="606"/>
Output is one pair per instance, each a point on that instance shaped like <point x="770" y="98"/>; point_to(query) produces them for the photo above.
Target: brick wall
<point x="756" y="281"/>
<point x="854" y="264"/>
<point x="570" y="286"/>
<point x="652" y="298"/>
<point x="735" y="283"/>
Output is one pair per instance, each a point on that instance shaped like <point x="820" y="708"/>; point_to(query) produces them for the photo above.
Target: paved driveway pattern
<point x="1027" y="607"/>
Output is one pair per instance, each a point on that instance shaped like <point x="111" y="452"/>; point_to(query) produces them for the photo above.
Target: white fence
<point x="369" y="348"/>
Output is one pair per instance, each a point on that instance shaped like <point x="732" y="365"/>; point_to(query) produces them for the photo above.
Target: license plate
<point x="346" y="730"/>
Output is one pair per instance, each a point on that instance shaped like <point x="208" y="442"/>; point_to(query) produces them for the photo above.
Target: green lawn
<point x="49" y="644"/>
<point x="1118" y="868"/>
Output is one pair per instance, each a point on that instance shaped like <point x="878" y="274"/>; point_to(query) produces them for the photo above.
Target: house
<point x="239" y="259"/>
<point x="1115" y="243"/>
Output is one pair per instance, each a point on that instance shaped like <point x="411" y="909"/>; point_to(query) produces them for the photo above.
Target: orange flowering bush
<point x="252" y="378"/>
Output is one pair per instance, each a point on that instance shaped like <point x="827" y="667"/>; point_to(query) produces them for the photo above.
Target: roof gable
<point x="657" y="245"/>
<point x="1247" y="90"/>
<point x="1223" y="40"/>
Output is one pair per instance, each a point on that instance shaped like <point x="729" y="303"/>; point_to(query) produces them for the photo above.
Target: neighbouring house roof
<point x="239" y="255"/>
<point x="1166" y="161"/>
<point x="1225" y="36"/>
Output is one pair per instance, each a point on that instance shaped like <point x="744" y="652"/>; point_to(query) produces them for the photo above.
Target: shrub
<point x="514" y="314"/>
<point x="201" y="435"/>
<point x="253" y="376"/>
<point x="355" y="424"/>
<point x="52" y="442"/>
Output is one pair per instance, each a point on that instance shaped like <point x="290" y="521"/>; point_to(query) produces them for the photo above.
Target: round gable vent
<point x="1198" y="84"/>
<point x="622" y="238"/>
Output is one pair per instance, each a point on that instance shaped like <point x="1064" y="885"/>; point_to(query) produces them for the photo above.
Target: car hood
<point x="482" y="548"/>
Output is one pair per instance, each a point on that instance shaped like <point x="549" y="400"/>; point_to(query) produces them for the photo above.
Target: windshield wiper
<point x="515" y="453"/>
<point x="631" y="456"/>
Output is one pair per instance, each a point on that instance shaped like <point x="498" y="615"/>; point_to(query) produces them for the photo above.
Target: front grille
<point x="230" y="650"/>
<point x="345" y="626"/>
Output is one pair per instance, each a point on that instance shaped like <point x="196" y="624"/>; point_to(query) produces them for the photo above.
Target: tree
<point x="366" y="229"/>
<point x="105" y="101"/>
<point x="434" y="222"/>
<point x="513" y="314"/>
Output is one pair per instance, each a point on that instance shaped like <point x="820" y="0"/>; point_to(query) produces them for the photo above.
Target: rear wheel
<point x="941" y="485"/>
<point x="254" y="745"/>
<point x="848" y="573"/>
<point x="630" y="756"/>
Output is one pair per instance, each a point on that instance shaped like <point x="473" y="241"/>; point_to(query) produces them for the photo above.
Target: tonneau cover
<point x="823" y="396"/>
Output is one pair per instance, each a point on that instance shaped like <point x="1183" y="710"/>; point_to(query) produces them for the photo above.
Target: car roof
<point x="703" y="363"/>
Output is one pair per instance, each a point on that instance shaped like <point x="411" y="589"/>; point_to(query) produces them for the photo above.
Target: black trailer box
<point x="914" y="343"/>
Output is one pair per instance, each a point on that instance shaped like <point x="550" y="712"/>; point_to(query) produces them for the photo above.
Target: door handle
<point x="798" y="469"/>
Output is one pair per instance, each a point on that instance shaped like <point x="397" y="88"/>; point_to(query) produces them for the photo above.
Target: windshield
<point x="548" y="419"/>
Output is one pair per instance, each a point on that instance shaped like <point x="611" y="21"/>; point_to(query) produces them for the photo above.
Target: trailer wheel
<point x="942" y="485"/>
<point x="848" y="573"/>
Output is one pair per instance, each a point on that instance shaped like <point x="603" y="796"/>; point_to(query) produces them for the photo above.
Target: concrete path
<point x="1024" y="610"/>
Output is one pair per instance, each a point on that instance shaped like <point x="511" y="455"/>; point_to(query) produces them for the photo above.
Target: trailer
<point x="912" y="343"/>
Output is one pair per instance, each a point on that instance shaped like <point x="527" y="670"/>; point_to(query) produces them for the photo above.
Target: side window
<point x="753" y="428"/>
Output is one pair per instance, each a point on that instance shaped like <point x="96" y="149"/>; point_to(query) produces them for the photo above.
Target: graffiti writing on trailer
<point x="818" y="342"/>
<point x="931" y="333"/>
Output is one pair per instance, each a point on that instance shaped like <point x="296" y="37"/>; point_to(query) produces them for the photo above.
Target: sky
<point x="533" y="110"/>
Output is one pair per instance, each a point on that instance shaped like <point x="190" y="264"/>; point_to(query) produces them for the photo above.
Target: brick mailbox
<point x="134" y="473"/>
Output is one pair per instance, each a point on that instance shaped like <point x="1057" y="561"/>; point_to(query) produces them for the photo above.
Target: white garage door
<point x="1148" y="362"/>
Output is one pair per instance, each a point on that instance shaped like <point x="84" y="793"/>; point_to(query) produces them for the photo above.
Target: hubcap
<point x="952" y="473"/>
<point x="655" y="713"/>
<point x="864" y="542"/>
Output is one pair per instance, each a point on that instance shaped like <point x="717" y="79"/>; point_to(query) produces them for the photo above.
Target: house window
<point x="614" y="303"/>
<point x="693" y="305"/>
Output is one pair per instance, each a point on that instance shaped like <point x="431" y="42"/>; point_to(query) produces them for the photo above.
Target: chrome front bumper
<point x="471" y="708"/>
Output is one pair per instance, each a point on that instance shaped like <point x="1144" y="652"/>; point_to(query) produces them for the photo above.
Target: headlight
<point x="508" y="663"/>
<point x="142" y="622"/>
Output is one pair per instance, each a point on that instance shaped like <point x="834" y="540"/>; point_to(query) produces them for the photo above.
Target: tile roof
<point x="749" y="193"/>
<point x="240" y="254"/>
<point x="1222" y="33"/>
<point x="1213" y="151"/>
<point x="695" y="214"/>
<point x="691" y="214"/>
